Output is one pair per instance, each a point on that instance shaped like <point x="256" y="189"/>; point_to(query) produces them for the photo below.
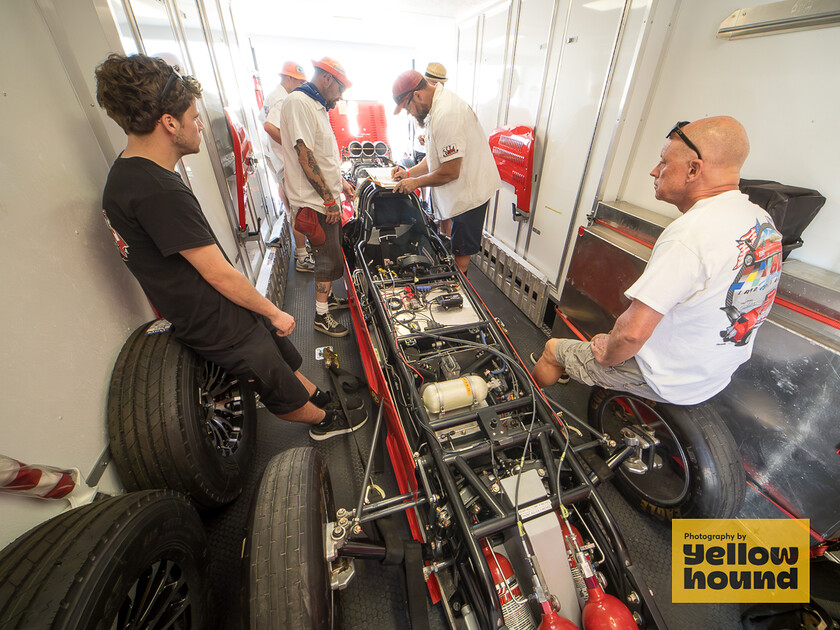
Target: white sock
<point x="300" y="252"/>
<point x="321" y="308"/>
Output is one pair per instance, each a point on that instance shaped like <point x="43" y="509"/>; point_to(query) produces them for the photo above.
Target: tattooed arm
<point x="316" y="179"/>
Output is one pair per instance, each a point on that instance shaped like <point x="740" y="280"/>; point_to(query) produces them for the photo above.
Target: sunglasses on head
<point x="175" y="76"/>
<point x="678" y="130"/>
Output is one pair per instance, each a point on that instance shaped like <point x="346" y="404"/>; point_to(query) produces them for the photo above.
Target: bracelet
<point x="331" y="203"/>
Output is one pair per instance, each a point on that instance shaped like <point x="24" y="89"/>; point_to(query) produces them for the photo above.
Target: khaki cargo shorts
<point x="576" y="356"/>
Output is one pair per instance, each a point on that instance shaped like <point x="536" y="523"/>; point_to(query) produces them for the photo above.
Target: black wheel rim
<point x="159" y="598"/>
<point x="667" y="486"/>
<point x="221" y="400"/>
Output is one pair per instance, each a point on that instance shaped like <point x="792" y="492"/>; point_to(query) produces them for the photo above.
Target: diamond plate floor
<point x="375" y="599"/>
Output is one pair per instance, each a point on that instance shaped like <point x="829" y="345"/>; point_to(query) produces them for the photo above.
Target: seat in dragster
<point x="509" y="524"/>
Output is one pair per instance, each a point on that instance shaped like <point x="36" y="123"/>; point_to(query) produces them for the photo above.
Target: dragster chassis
<point x="489" y="479"/>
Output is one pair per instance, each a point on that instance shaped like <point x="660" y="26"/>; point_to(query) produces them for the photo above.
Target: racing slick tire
<point x="702" y="475"/>
<point x="178" y="421"/>
<point x="137" y="560"/>
<point x="288" y="574"/>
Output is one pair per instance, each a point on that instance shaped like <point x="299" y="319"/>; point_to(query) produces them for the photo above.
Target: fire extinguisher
<point x="602" y="611"/>
<point x="514" y="604"/>
<point x="571" y="546"/>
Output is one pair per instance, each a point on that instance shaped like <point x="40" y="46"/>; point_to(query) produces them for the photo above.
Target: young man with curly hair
<point x="168" y="245"/>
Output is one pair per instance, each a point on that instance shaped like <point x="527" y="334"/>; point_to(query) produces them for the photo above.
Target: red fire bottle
<point x="514" y="604"/>
<point x="602" y="611"/>
<point x="551" y="620"/>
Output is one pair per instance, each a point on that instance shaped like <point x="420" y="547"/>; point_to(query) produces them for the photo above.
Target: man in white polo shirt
<point x="458" y="167"/>
<point x="313" y="177"/>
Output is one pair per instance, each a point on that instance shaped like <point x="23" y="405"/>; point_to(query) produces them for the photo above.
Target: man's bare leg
<point x="548" y="370"/>
<point x="463" y="262"/>
<point x="308" y="414"/>
<point x="322" y="291"/>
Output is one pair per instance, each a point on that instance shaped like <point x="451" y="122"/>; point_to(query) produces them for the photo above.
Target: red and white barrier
<point x="45" y="482"/>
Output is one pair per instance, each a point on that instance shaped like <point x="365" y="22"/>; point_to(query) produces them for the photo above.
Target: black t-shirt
<point x="153" y="216"/>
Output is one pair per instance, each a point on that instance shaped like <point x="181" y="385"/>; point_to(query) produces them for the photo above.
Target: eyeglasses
<point x="175" y="76"/>
<point x="341" y="87"/>
<point x="678" y="130"/>
<point x="404" y="99"/>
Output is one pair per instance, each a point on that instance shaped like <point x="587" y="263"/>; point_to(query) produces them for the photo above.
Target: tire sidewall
<point x="157" y="541"/>
<point x="705" y="488"/>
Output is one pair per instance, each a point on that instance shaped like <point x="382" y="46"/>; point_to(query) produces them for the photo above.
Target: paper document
<point x="382" y="175"/>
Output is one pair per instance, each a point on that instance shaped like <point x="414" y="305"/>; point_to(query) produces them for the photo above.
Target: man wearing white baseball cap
<point x="313" y="177"/>
<point x="291" y="77"/>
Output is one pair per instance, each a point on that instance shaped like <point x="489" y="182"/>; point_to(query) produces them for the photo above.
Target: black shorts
<point x="329" y="257"/>
<point x="270" y="362"/>
<point x="466" y="230"/>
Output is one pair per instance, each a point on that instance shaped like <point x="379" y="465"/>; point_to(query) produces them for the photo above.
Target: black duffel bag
<point x="792" y="208"/>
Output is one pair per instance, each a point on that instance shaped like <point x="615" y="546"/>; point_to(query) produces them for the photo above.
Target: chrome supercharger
<point x="512" y="531"/>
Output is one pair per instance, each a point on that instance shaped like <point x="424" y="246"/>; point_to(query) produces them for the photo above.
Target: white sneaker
<point x="307" y="263"/>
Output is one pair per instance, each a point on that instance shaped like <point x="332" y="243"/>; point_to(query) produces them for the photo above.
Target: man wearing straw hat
<point x="435" y="73"/>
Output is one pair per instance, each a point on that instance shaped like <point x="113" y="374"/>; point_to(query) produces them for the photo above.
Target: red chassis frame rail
<point x="402" y="459"/>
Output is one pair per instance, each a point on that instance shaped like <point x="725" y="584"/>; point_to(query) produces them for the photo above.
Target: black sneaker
<point x="562" y="380"/>
<point x="335" y="303"/>
<point x="328" y="400"/>
<point x="327" y="324"/>
<point x="335" y="423"/>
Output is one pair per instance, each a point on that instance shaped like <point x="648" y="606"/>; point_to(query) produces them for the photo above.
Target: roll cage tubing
<point x="545" y="429"/>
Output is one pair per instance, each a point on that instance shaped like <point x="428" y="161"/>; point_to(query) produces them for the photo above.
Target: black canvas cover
<point x="791" y="207"/>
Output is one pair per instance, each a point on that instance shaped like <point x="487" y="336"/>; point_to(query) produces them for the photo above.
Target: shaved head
<point x="682" y="177"/>
<point x="723" y="141"/>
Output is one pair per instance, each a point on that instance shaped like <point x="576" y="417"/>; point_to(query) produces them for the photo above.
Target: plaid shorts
<point x="577" y="358"/>
<point x="329" y="257"/>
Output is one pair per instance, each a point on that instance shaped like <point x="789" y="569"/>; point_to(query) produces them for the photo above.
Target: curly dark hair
<point x="130" y="89"/>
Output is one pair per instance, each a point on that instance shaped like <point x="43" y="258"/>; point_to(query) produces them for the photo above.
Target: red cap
<point x="330" y="65"/>
<point x="405" y="85"/>
<point x="294" y="70"/>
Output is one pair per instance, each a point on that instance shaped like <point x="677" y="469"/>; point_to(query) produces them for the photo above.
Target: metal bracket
<point x="642" y="439"/>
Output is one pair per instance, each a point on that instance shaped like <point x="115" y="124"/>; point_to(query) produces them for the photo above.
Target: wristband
<point x="331" y="203"/>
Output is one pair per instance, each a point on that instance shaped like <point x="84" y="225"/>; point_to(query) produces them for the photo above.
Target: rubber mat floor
<point x="376" y="599"/>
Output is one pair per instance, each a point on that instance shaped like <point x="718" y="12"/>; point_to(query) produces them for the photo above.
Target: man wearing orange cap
<point x="291" y="77"/>
<point x="313" y="177"/>
<point x="458" y="166"/>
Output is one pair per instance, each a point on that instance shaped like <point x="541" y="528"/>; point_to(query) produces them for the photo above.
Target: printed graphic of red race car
<point x="743" y="324"/>
<point x="751" y="296"/>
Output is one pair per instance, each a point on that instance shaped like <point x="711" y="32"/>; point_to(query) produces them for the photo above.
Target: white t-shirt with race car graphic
<point x="713" y="275"/>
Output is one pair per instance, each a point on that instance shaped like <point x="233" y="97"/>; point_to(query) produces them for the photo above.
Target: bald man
<point x="709" y="284"/>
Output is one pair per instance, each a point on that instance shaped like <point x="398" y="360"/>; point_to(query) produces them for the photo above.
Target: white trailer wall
<point x="668" y="65"/>
<point x="68" y="302"/>
<point x="784" y="88"/>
